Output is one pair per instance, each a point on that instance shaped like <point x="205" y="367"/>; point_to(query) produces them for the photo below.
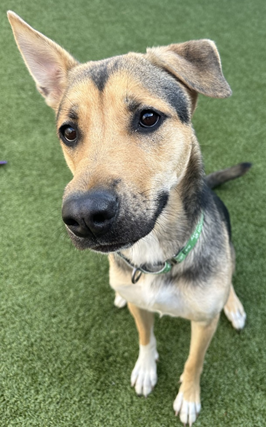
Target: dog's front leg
<point x="144" y="374"/>
<point x="187" y="402"/>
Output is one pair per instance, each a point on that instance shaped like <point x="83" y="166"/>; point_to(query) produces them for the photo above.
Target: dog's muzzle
<point x="103" y="221"/>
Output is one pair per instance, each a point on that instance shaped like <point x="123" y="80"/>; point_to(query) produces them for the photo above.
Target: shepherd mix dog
<point x="139" y="192"/>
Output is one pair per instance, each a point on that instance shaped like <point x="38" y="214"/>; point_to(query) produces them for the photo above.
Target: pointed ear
<point x="196" y="63"/>
<point x="47" y="62"/>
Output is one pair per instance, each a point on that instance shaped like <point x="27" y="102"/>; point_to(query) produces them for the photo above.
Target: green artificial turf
<point x="66" y="353"/>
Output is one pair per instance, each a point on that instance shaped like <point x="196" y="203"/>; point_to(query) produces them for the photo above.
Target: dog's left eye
<point x="69" y="134"/>
<point x="149" y="118"/>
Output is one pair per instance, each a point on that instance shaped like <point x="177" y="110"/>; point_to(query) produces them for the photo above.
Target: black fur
<point x="177" y="99"/>
<point x="193" y="193"/>
<point x="220" y="177"/>
<point x="100" y="73"/>
<point x="223" y="211"/>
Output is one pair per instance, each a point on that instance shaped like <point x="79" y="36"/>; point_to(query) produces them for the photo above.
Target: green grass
<point x="66" y="352"/>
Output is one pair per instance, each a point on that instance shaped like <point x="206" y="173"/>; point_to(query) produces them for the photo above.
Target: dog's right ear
<point x="47" y="62"/>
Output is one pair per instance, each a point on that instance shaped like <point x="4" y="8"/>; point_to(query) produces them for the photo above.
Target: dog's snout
<point x="90" y="213"/>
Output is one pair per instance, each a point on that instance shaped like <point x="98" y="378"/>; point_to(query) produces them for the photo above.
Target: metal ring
<point x="136" y="273"/>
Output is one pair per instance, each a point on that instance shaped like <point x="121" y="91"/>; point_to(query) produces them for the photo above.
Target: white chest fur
<point x="152" y="294"/>
<point x="176" y="299"/>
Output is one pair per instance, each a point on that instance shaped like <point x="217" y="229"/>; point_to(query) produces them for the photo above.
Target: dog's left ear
<point x="196" y="63"/>
<point x="47" y="62"/>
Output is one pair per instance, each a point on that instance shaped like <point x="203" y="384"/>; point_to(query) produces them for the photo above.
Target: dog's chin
<point x="83" y="244"/>
<point x="105" y="248"/>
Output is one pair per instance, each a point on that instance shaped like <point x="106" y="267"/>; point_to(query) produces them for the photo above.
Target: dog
<point x="139" y="192"/>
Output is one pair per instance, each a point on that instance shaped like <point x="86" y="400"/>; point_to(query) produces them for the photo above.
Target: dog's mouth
<point x="106" y="249"/>
<point x="105" y="233"/>
<point x="82" y="243"/>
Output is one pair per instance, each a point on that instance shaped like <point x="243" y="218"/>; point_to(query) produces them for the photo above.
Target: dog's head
<point x="125" y="128"/>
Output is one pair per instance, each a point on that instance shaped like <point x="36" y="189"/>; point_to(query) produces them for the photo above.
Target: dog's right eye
<point x="69" y="135"/>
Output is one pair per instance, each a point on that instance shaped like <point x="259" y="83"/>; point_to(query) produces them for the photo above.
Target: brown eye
<point x="69" y="134"/>
<point x="149" y="118"/>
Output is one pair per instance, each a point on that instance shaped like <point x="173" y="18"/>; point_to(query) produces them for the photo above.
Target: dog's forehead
<point x="134" y="67"/>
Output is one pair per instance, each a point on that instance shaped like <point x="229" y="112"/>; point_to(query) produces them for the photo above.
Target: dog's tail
<point x="217" y="178"/>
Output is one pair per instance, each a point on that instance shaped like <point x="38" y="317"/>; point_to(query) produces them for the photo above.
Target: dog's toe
<point x="119" y="301"/>
<point x="188" y="411"/>
<point x="144" y="380"/>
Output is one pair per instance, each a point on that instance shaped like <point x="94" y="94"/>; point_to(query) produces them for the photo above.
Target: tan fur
<point x="112" y="153"/>
<point x="177" y="59"/>
<point x="108" y="152"/>
<point x="201" y="335"/>
<point x="144" y="322"/>
<point x="52" y="51"/>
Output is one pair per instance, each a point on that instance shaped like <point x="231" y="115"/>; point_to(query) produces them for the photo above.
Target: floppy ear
<point x="47" y="62"/>
<point x="196" y="63"/>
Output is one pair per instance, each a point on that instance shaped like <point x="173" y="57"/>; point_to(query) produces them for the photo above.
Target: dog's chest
<point x="155" y="294"/>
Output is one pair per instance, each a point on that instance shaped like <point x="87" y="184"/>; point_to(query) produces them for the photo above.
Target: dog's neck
<point x="177" y="221"/>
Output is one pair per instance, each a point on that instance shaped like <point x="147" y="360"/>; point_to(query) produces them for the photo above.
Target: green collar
<point x="168" y="265"/>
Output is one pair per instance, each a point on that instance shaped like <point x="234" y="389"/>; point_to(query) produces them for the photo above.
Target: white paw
<point x="188" y="411"/>
<point x="237" y="318"/>
<point x="119" y="301"/>
<point x="144" y="374"/>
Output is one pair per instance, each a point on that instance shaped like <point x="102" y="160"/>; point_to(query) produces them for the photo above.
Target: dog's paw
<point x="235" y="312"/>
<point x="119" y="301"/>
<point x="187" y="410"/>
<point x="237" y="318"/>
<point x="144" y="374"/>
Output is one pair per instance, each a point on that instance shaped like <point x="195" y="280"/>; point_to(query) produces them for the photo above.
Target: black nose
<point x="89" y="213"/>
